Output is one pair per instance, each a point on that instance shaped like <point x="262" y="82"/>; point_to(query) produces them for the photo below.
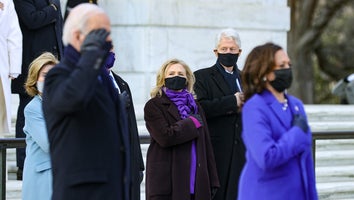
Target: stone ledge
<point x="332" y="125"/>
<point x="329" y="112"/>
<point x="340" y="190"/>
<point x="336" y="170"/>
<point x="13" y="190"/>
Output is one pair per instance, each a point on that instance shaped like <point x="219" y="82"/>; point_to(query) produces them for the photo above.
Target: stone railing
<point x="326" y="122"/>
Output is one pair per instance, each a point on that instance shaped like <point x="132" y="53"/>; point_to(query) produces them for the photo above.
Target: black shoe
<point x="19" y="174"/>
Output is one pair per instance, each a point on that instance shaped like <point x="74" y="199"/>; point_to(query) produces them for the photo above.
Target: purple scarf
<point x="184" y="101"/>
<point x="186" y="105"/>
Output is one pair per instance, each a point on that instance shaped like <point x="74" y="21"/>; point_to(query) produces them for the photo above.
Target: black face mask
<point x="176" y="83"/>
<point x="227" y="59"/>
<point x="283" y="79"/>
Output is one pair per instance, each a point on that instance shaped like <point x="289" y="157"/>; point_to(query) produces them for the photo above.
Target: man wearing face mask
<point x="219" y="92"/>
<point x="136" y="158"/>
<point x="85" y="116"/>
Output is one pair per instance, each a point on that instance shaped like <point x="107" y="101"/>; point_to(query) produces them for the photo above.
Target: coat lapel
<point x="122" y="86"/>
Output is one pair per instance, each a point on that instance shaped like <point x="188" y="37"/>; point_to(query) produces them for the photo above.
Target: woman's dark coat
<point x="225" y="126"/>
<point x="169" y="154"/>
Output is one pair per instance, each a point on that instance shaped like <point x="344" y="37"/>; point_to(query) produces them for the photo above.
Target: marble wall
<point x="148" y="32"/>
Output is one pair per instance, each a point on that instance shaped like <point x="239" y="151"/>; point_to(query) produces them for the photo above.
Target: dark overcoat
<point x="169" y="154"/>
<point x="85" y="133"/>
<point x="41" y="27"/>
<point x="136" y="159"/>
<point x="225" y="126"/>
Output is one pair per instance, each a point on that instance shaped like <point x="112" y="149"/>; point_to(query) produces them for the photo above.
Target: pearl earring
<point x="264" y="79"/>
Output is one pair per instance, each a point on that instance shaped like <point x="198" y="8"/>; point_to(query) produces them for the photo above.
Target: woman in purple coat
<point x="180" y="160"/>
<point x="275" y="131"/>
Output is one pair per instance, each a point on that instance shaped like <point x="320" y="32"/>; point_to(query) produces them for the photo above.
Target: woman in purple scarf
<point x="180" y="161"/>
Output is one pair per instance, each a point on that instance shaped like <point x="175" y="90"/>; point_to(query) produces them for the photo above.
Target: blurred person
<point x="180" y="161"/>
<point x="37" y="171"/>
<point x="345" y="89"/>
<point x="10" y="59"/>
<point x="85" y="116"/>
<point x="276" y="133"/>
<point x="136" y="158"/>
<point x="219" y="91"/>
<point x="41" y="24"/>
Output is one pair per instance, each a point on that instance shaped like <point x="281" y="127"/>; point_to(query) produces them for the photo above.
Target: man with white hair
<point x="86" y="122"/>
<point x="219" y="91"/>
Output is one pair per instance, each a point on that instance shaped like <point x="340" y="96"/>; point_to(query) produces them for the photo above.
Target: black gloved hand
<point x="96" y="40"/>
<point x="199" y="118"/>
<point x="96" y="47"/>
<point x="300" y="121"/>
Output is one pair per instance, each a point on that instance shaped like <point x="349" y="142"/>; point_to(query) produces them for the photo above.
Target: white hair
<point x="228" y="33"/>
<point x="77" y="20"/>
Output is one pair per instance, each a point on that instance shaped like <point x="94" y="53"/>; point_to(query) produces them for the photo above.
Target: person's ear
<point x="216" y="52"/>
<point x="77" y="39"/>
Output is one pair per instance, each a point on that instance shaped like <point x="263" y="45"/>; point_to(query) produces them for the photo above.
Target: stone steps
<point x="13" y="190"/>
<point x="334" y="158"/>
<point x="331" y="191"/>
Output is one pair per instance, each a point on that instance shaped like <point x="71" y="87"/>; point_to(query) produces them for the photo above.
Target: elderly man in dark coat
<point x="41" y="24"/>
<point x="219" y="91"/>
<point x="85" y="116"/>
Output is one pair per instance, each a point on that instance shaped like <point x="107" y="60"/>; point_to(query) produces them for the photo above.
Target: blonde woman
<point x="180" y="160"/>
<point x="37" y="175"/>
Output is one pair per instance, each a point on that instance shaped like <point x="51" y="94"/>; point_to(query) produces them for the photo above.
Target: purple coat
<point x="169" y="154"/>
<point x="279" y="163"/>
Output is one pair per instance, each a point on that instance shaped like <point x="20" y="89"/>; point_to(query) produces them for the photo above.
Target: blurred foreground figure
<point x="85" y="115"/>
<point x="278" y="139"/>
